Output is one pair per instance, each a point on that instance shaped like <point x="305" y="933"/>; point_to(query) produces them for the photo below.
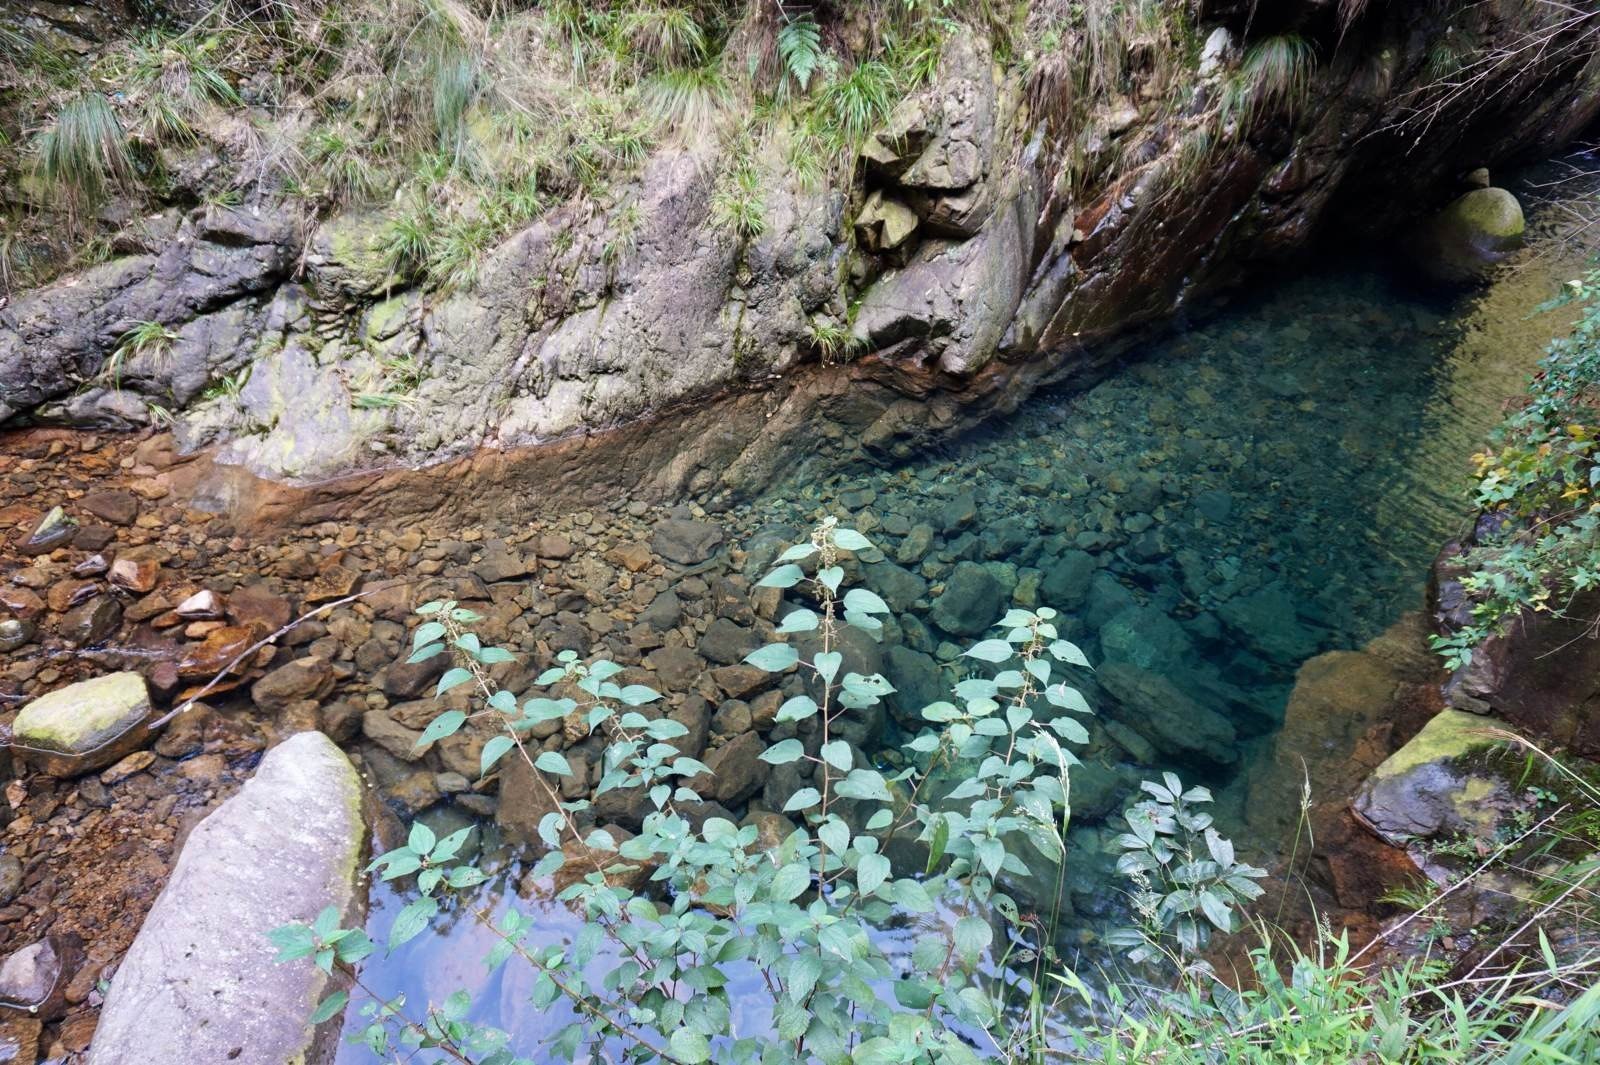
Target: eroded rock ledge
<point x="965" y="266"/>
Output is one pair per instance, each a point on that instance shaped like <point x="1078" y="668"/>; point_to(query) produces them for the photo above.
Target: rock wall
<point x="967" y="267"/>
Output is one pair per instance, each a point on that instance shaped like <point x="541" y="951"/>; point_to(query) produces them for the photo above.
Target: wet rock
<point x="19" y="1040"/>
<point x="684" y="541"/>
<point x="959" y="513"/>
<point x="526" y="796"/>
<point x="1269" y="621"/>
<point x="1434" y="786"/>
<point x="304" y="678"/>
<point x="257" y="604"/>
<point x="10" y="879"/>
<point x="694" y="715"/>
<point x="502" y="562"/>
<point x="91" y="622"/>
<point x="898" y="586"/>
<point x="135" y="574"/>
<point x="1066" y="580"/>
<point x="407" y="680"/>
<point x="15" y="634"/>
<point x="22" y="603"/>
<point x="137" y="762"/>
<point x="117" y="506"/>
<point x="1473" y="234"/>
<point x="726" y="642"/>
<point x="287" y="845"/>
<point x="214" y="654"/>
<point x="201" y="606"/>
<point x="333" y="581"/>
<point x="93" y="566"/>
<point x="381" y="728"/>
<point x="971" y="601"/>
<point x="1161" y="712"/>
<point x="917" y="543"/>
<point x="36" y="976"/>
<point x="737" y="771"/>
<point x="1146" y="637"/>
<point x="555" y="547"/>
<point x="54" y="530"/>
<point x="917" y="680"/>
<point x="85" y="726"/>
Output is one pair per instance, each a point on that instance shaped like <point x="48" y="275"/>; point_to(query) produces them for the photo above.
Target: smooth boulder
<point x="1473" y="234"/>
<point x="84" y="726"/>
<point x="1439" y="784"/>
<point x="200" y="982"/>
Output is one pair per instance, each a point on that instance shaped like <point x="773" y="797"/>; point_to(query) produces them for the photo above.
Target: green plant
<point x="800" y="51"/>
<point x="1273" y="79"/>
<point x="172" y="82"/>
<point x="1539" y="481"/>
<point x="1187" y="877"/>
<point x="858" y="102"/>
<point x="737" y="204"/>
<point x="145" y="339"/>
<point x="836" y="343"/>
<point x="692" y="907"/>
<point x="84" y="151"/>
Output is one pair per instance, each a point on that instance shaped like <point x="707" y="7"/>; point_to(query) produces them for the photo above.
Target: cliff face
<point x="979" y="246"/>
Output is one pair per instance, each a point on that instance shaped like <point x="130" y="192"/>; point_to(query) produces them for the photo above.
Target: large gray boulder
<point x="200" y="983"/>
<point x="84" y="726"/>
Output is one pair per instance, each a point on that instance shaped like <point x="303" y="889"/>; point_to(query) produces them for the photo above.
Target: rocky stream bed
<point x="1262" y="487"/>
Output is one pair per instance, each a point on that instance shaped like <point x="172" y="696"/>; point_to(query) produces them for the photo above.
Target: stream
<point x="1253" y="488"/>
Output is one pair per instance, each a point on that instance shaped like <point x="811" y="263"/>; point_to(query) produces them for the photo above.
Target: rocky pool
<point x="1257" y="486"/>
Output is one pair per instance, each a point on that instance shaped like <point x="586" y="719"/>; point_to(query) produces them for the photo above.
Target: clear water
<point x="1263" y="485"/>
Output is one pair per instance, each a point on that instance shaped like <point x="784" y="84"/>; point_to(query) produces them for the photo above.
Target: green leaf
<point x="837" y="754"/>
<point x="912" y="895"/>
<point x="831" y="577"/>
<point x="937" y="845"/>
<point x="827" y="664"/>
<point x="783" y="752"/>
<point x="991" y="651"/>
<point x="864" y="601"/>
<point x="453" y="678"/>
<point x="801" y="620"/>
<point x="329" y="1006"/>
<point x="804" y="799"/>
<point x="446" y="724"/>
<point x="796" y="709"/>
<point x="689" y="1047"/>
<point x="553" y="762"/>
<point x="427" y="632"/>
<point x="850" y="540"/>
<point x="491" y="656"/>
<point x="790" y="881"/>
<point x="782" y="577"/>
<point x="774" y="657"/>
<point x="493" y="751"/>
<point x="972" y="937"/>
<point x="410" y="921"/>
<point x="798" y="552"/>
<point x="421" y="838"/>
<point x="835" y="834"/>
<point x="872" y="871"/>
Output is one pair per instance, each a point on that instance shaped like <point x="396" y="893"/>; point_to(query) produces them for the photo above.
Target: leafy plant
<point x="145" y="339"/>
<point x="1539" y="483"/>
<point x="1187" y="877"/>
<point x="800" y="51"/>
<point x="1273" y="78"/>
<point x="799" y="912"/>
<point x="737" y="204"/>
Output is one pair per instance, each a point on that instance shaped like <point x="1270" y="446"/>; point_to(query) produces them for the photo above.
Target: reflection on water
<point x="1266" y="485"/>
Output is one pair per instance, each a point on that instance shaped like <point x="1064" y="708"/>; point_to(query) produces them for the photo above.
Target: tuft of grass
<point x="84" y="151"/>
<point x="144" y="339"/>
<point x="172" y="82"/>
<point x="737" y="204"/>
<point x="1273" y="78"/>
<point x="663" y="37"/>
<point x="687" y="100"/>
<point x="859" y="102"/>
<point x="340" y="164"/>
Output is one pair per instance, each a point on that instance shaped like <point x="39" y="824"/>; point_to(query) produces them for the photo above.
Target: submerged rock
<point x="84" y="726"/>
<point x="971" y="600"/>
<point x="200" y="982"/>
<point x="1174" y="724"/>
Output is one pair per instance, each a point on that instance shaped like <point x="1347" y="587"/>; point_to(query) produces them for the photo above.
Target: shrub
<point x="1539" y="482"/>
<point x="84" y="150"/>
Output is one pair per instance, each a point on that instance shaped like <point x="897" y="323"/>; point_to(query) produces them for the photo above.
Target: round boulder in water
<point x="1473" y="234"/>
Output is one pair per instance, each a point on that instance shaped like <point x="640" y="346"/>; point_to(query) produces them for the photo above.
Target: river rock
<point x="898" y="586"/>
<point x="85" y="726"/>
<point x="1146" y="637"/>
<point x="737" y="771"/>
<point x="1473" y="234"/>
<point x="304" y="678"/>
<point x="137" y="575"/>
<point x="1437" y="784"/>
<point x="91" y="621"/>
<point x="1160" y="711"/>
<point x="116" y="506"/>
<point x="15" y="633"/>
<point x="971" y="600"/>
<point x="1066" y="580"/>
<point x="53" y="531"/>
<point x="35" y="977"/>
<point x="1267" y="621"/>
<point x="10" y="879"/>
<point x="726" y="642"/>
<point x="685" y="541"/>
<point x="200" y="983"/>
<point x="201" y="606"/>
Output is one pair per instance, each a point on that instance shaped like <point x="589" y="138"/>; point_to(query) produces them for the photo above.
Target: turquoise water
<point x="1246" y="492"/>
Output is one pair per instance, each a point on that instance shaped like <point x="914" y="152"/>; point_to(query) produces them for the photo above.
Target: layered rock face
<point x="960" y="254"/>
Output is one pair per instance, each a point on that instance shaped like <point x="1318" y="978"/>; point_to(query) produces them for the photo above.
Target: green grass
<point x="84" y="150"/>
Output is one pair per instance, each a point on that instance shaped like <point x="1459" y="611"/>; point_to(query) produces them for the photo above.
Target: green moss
<point x="1450" y="734"/>
<point x="82" y="716"/>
